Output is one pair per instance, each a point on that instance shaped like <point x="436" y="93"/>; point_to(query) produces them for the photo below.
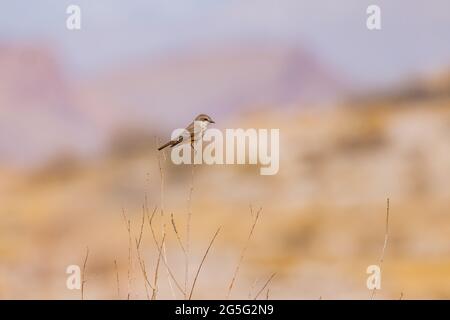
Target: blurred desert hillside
<point x="322" y="221"/>
<point x="46" y="111"/>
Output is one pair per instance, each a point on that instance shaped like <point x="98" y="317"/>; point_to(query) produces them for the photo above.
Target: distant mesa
<point x="218" y="80"/>
<point x="37" y="111"/>
<point x="45" y="113"/>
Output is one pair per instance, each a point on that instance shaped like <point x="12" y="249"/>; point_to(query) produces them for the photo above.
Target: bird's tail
<point x="165" y="145"/>
<point x="171" y="143"/>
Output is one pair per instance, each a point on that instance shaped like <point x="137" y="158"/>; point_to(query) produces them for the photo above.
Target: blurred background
<point x="363" y="116"/>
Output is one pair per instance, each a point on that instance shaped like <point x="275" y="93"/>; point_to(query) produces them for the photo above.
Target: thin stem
<point x="243" y="251"/>
<point x="160" y="251"/>
<point x="83" y="274"/>
<point x="188" y="230"/>
<point x="265" y="285"/>
<point x="117" y="278"/>
<point x="130" y="257"/>
<point x="163" y="226"/>
<point x="201" y="263"/>
<point x="386" y="237"/>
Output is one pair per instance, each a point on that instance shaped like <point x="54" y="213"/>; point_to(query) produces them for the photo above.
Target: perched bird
<point x="194" y="132"/>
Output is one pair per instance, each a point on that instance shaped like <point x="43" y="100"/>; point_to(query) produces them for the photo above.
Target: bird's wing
<point x="186" y="135"/>
<point x="195" y="129"/>
<point x="190" y="128"/>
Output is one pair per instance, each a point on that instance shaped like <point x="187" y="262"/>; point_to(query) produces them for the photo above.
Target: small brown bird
<point x="194" y="131"/>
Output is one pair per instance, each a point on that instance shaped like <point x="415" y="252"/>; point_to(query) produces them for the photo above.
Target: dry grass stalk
<point x="177" y="234"/>
<point x="169" y="271"/>
<point x="186" y="256"/>
<point x="386" y="234"/>
<point x="265" y="285"/>
<point x="161" y="174"/>
<point x="252" y="287"/>
<point x="130" y="256"/>
<point x="140" y="260"/>
<point x="188" y="230"/>
<point x="241" y="258"/>
<point x="142" y="226"/>
<point x="163" y="225"/>
<point x="83" y="273"/>
<point x="155" y="277"/>
<point x="117" y="279"/>
<point x="201" y="263"/>
<point x="143" y="269"/>
<point x="160" y="251"/>
<point x="386" y="237"/>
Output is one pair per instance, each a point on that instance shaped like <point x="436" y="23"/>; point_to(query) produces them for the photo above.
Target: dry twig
<point x="386" y="237"/>
<point x="265" y="285"/>
<point x="243" y="250"/>
<point x="117" y="278"/>
<point x="201" y="263"/>
<point x="188" y="230"/>
<point x="143" y="269"/>
<point x="130" y="257"/>
<point x="177" y="234"/>
<point x="155" y="279"/>
<point x="160" y="251"/>
<point x="163" y="227"/>
<point x="142" y="225"/>
<point x="83" y="274"/>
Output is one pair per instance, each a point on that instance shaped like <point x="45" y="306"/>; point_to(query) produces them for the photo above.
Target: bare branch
<point x="83" y="274"/>
<point x="130" y="257"/>
<point x="188" y="230"/>
<point x="386" y="234"/>
<point x="176" y="233"/>
<point x="117" y="278"/>
<point x="201" y="263"/>
<point x="142" y="226"/>
<point x="386" y="237"/>
<point x="163" y="225"/>
<point x="265" y="285"/>
<point x="244" y="250"/>
<point x="155" y="280"/>
<point x="143" y="268"/>
<point x="160" y="251"/>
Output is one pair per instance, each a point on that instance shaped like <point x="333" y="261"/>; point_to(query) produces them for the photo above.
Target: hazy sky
<point x="414" y="37"/>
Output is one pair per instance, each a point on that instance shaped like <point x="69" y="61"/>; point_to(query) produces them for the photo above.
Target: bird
<point x="193" y="132"/>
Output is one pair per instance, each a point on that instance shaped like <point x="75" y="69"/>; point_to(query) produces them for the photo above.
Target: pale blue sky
<point x="414" y="37"/>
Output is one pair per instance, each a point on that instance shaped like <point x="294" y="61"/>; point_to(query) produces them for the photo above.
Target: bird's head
<point x="204" y="118"/>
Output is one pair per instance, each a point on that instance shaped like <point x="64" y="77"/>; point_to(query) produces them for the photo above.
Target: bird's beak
<point x="212" y="121"/>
